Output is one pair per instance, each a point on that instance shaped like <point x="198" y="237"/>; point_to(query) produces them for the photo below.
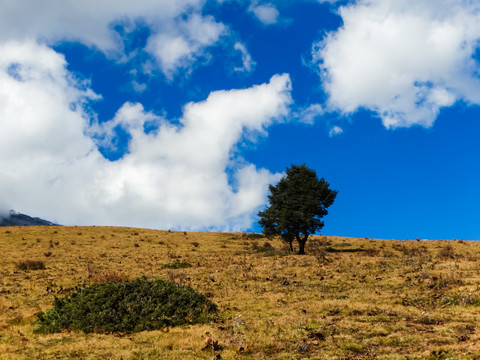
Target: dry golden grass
<point x="346" y="299"/>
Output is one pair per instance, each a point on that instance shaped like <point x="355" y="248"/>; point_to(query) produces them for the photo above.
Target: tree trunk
<point x="291" y="245"/>
<point x="301" y="244"/>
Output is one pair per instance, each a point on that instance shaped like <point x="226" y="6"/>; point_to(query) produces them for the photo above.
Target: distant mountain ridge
<point x="18" y="219"/>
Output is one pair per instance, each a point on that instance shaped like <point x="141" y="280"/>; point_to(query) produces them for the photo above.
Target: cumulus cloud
<point x="184" y="42"/>
<point x="86" y="21"/>
<point x="175" y="176"/>
<point x="266" y="13"/>
<point x="334" y="131"/>
<point x="247" y="62"/>
<point x="179" y="33"/>
<point x="310" y="113"/>
<point x="404" y="60"/>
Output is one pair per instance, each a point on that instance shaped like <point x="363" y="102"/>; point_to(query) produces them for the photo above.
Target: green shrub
<point x="130" y="306"/>
<point x="177" y="265"/>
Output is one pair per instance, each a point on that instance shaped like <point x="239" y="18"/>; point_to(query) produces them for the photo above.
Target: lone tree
<point x="297" y="203"/>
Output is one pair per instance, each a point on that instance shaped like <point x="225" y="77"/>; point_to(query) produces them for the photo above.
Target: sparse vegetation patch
<point x="177" y="265"/>
<point x="31" y="265"/>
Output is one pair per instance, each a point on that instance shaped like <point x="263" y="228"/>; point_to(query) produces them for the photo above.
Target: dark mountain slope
<point x="17" y="219"/>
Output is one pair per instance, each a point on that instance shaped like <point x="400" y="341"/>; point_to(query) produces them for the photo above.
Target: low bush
<point x="177" y="265"/>
<point x="447" y="252"/>
<point x="130" y="306"/>
<point x="267" y="249"/>
<point x="31" y="265"/>
<point x="253" y="236"/>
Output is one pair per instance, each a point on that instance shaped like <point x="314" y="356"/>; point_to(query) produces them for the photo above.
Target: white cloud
<point x="247" y="62"/>
<point x="181" y="44"/>
<point x="86" y="21"/>
<point x="311" y="113"/>
<point x="266" y="13"/>
<point x="334" y="131"/>
<point x="179" y="34"/>
<point x="186" y="176"/>
<point x="404" y="60"/>
<point x="138" y="87"/>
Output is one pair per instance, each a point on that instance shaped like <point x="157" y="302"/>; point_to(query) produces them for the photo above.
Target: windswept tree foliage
<point x="297" y="204"/>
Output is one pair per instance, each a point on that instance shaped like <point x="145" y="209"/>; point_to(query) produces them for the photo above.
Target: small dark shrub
<point x="31" y="265"/>
<point x="447" y="252"/>
<point x="461" y="299"/>
<point x="413" y="250"/>
<point x="388" y="254"/>
<point x="371" y="252"/>
<point x="130" y="306"/>
<point x="177" y="265"/>
<point x="443" y="282"/>
<point x="252" y="236"/>
<point x="439" y="355"/>
<point x="267" y="249"/>
<point x="48" y="253"/>
<point x="136" y="245"/>
<point x="196" y="244"/>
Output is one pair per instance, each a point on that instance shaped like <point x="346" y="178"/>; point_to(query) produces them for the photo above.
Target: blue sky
<point x="178" y="114"/>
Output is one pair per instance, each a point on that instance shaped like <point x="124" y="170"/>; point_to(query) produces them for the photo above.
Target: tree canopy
<point x="296" y="205"/>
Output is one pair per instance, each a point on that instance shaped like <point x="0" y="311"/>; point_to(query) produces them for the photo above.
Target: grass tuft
<point x="31" y="265"/>
<point x="177" y="265"/>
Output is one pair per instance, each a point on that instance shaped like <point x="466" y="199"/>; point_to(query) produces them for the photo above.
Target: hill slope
<point x="346" y="299"/>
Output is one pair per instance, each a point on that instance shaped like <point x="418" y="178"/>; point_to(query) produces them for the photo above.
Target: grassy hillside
<point x="347" y="299"/>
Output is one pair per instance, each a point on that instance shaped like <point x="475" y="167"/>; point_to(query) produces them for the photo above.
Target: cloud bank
<point x="187" y="176"/>
<point x="404" y="60"/>
<point x="178" y="34"/>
